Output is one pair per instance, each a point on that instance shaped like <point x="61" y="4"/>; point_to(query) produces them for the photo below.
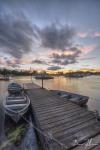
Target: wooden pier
<point x="64" y="124"/>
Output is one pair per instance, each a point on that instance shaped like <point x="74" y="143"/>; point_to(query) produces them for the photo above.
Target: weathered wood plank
<point x="61" y="117"/>
<point x="61" y="113"/>
<point x="69" y="131"/>
<point x="69" y="121"/>
<point x="63" y="125"/>
<point x="60" y="110"/>
<point x="53" y="106"/>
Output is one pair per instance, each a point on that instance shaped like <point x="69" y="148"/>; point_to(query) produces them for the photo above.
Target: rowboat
<point x="2" y="78"/>
<point x="16" y="106"/>
<point x="14" y="88"/>
<point x="73" y="97"/>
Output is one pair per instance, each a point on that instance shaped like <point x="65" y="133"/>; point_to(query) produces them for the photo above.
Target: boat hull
<point x="16" y="108"/>
<point x="16" y="117"/>
<point x="75" y="98"/>
<point x="44" y="78"/>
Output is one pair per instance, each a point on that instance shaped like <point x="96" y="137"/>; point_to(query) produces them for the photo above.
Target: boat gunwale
<point x="20" y="111"/>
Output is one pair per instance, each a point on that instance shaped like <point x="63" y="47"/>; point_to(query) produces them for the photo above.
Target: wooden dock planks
<point x="65" y="120"/>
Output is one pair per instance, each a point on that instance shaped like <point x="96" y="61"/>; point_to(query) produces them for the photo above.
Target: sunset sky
<point x="50" y="34"/>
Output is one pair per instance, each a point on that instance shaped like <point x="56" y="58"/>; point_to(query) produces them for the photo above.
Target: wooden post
<point x="42" y="83"/>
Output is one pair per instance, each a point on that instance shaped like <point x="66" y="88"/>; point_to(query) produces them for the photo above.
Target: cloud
<point x="65" y="58"/>
<point x="88" y="35"/>
<point x="38" y="61"/>
<point x="56" y="37"/>
<point x="15" y="35"/>
<point x="82" y="34"/>
<point x="89" y="58"/>
<point x="97" y="34"/>
<point x="12" y="62"/>
<point x="1" y="62"/>
<point x="54" y="68"/>
<point x="88" y="48"/>
<point x="86" y="65"/>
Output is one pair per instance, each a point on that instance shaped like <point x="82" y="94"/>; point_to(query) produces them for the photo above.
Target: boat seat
<point x="65" y="96"/>
<point x="16" y="107"/>
<point x="74" y="99"/>
<point x="12" y="98"/>
<point x="21" y="101"/>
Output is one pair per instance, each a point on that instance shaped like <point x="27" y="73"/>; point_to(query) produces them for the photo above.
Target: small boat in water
<point x="44" y="76"/>
<point x="75" y="98"/>
<point x="14" y="88"/>
<point x="4" y="78"/>
<point x="16" y="106"/>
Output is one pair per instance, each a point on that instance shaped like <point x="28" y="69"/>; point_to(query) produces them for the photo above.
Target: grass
<point x="13" y="137"/>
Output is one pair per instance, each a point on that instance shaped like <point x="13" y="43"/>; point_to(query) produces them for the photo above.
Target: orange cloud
<point x="67" y="52"/>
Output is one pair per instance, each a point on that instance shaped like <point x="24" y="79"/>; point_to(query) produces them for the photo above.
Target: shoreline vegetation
<point x="73" y="74"/>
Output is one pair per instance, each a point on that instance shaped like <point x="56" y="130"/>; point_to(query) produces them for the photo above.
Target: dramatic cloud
<point x="54" y="68"/>
<point x="56" y="37"/>
<point x="15" y="35"/>
<point x="65" y="58"/>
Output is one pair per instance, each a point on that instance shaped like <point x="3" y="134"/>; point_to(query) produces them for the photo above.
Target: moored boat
<point x="14" y="88"/>
<point x="75" y="98"/>
<point x="16" y="106"/>
<point x="4" y="78"/>
<point x="45" y="77"/>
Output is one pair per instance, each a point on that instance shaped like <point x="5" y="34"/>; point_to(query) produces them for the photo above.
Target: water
<point x="89" y="86"/>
